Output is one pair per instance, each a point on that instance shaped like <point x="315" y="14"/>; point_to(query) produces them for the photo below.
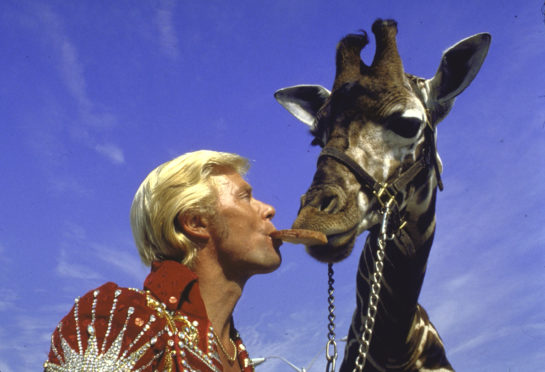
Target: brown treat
<point x="300" y="236"/>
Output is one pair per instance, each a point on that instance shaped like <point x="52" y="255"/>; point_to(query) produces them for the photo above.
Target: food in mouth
<point x="300" y="236"/>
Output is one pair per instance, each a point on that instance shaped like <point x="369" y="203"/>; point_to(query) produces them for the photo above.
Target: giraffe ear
<point x="459" y="66"/>
<point x="303" y="101"/>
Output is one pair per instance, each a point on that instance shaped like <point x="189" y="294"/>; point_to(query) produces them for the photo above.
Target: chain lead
<point x="331" y="344"/>
<point x="368" y="321"/>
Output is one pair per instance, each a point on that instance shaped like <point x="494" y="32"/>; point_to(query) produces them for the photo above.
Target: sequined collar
<point x="177" y="287"/>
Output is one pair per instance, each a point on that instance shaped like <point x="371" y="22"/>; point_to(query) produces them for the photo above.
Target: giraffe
<point x="377" y="127"/>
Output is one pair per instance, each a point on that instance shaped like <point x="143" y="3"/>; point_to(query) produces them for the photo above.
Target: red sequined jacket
<point x="162" y="328"/>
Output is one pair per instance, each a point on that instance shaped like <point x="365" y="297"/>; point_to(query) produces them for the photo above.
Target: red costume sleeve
<point x="109" y="328"/>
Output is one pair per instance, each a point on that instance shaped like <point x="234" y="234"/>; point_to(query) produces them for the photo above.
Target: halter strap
<point x="389" y="190"/>
<point x="363" y="177"/>
<point x="383" y="192"/>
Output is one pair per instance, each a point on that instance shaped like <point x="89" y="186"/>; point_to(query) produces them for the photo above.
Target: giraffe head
<point x="377" y="115"/>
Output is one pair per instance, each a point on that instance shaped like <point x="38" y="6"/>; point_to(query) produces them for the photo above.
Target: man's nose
<point x="268" y="211"/>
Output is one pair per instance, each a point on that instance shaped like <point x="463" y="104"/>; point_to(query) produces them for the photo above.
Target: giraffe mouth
<point x="341" y="236"/>
<point x="328" y="209"/>
<point x="338" y="247"/>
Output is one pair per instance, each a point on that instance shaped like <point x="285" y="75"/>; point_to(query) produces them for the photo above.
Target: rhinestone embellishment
<point x="93" y="358"/>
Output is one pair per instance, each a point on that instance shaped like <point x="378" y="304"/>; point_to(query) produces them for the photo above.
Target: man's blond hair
<point x="179" y="186"/>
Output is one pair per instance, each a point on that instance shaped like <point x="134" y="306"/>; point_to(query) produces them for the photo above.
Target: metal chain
<point x="331" y="344"/>
<point x="368" y="322"/>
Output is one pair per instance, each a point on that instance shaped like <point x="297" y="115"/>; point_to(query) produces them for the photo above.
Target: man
<point x="195" y="221"/>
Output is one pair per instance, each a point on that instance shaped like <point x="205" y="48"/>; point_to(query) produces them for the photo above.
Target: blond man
<point x="197" y="224"/>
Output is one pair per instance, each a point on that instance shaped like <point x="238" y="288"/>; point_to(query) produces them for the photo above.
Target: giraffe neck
<point x="394" y="342"/>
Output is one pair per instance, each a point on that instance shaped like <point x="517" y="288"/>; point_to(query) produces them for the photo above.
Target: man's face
<point x="241" y="229"/>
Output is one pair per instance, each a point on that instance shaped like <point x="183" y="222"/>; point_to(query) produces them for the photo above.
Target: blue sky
<point x="95" y="94"/>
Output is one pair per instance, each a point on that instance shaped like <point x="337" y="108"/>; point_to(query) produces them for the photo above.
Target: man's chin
<point x="269" y="266"/>
<point x="275" y="265"/>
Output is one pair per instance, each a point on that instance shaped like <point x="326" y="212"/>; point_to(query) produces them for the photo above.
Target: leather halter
<point x="389" y="190"/>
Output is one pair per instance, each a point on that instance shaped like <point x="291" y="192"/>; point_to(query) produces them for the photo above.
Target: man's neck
<point x="220" y="296"/>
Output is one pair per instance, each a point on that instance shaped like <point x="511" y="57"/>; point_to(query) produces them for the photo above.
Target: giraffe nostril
<point x="328" y="204"/>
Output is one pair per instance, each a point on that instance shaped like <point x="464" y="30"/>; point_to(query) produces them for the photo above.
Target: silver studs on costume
<point x="104" y="360"/>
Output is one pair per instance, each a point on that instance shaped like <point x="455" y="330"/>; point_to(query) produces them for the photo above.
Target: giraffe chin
<point x="338" y="247"/>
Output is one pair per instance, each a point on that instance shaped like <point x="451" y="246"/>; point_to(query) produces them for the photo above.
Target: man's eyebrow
<point x="246" y="188"/>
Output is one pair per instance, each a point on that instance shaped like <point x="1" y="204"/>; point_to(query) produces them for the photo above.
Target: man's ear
<point x="194" y="225"/>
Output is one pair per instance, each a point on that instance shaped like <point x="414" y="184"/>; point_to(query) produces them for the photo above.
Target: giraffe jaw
<point x="341" y="235"/>
<point x="338" y="247"/>
<point x="340" y="238"/>
<point x="339" y="244"/>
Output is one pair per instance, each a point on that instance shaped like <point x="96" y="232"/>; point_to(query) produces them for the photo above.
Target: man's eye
<point x="404" y="127"/>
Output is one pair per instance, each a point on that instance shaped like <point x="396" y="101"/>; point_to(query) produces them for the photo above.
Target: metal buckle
<point x="383" y="192"/>
<point x="392" y="223"/>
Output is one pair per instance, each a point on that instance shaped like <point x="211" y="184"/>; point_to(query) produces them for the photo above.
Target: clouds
<point x="80" y="265"/>
<point x="8" y="299"/>
<point x="71" y="68"/>
<point x="164" y="18"/>
<point x="23" y="331"/>
<point x="293" y="338"/>
<point x="22" y="338"/>
<point x="8" y="296"/>
<point x="483" y="286"/>
<point x="126" y="262"/>
<point x="78" y="250"/>
<point x="69" y="269"/>
<point x="89" y="123"/>
<point x="494" y="335"/>
<point x="4" y="259"/>
<point x="112" y="152"/>
<point x="73" y="256"/>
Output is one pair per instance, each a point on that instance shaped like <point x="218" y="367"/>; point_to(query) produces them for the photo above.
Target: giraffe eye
<point x="404" y="127"/>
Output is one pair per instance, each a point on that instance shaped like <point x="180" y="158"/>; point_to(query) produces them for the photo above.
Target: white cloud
<point x="492" y="335"/>
<point x="70" y="269"/>
<point x="64" y="183"/>
<point x="4" y="367"/>
<point x="34" y="332"/>
<point x="72" y="72"/>
<point x="456" y="283"/>
<point x="112" y="152"/>
<point x="167" y="31"/>
<point x="287" y="267"/>
<point x="486" y="300"/>
<point x="4" y="259"/>
<point x="74" y="263"/>
<point x="26" y="339"/>
<point x="294" y="338"/>
<point x="91" y="121"/>
<point x="128" y="262"/>
<point x="8" y="298"/>
<point x="70" y="264"/>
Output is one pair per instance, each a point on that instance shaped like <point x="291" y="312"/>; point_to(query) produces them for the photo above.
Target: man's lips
<point x="277" y="243"/>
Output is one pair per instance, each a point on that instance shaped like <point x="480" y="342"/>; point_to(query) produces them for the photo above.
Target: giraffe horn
<point x="348" y="60"/>
<point x="386" y="58"/>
